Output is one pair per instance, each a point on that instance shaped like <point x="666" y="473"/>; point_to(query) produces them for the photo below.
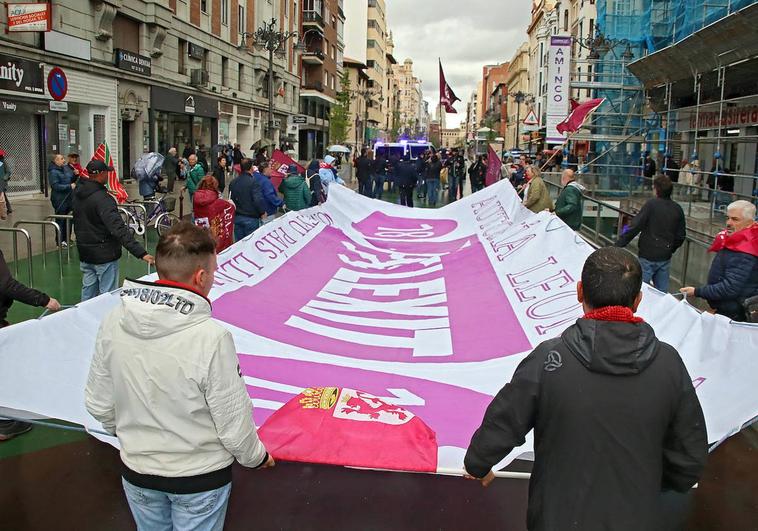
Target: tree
<point x="339" y="115"/>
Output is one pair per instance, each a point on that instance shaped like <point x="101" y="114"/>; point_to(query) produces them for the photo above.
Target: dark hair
<point x="182" y="250"/>
<point x="611" y="277"/>
<point x="246" y="165"/>
<point x="73" y="155"/>
<point x="262" y="166"/>
<point x="663" y="186"/>
<point x="209" y="182"/>
<point x="220" y="158"/>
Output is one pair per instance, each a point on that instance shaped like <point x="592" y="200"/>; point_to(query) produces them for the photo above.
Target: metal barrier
<point x="16" y="232"/>
<point x="681" y="263"/>
<point x="57" y="229"/>
<point x="69" y="229"/>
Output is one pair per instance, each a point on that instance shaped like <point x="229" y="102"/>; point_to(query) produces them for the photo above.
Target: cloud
<point x="464" y="35"/>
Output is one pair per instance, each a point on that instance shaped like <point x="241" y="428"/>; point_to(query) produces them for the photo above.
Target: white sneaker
<point x="64" y="244"/>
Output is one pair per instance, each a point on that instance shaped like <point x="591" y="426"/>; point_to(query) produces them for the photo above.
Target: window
<point x="592" y="27"/>
<point x="225" y="12"/>
<point x="182" y="54"/>
<point x="334" y="52"/>
<point x="566" y="20"/>
<point x="241" y="78"/>
<point x="204" y="6"/>
<point x="241" y="19"/>
<point x="126" y="33"/>
<point x="334" y="22"/>
<point x="326" y="79"/>
<point x="333" y="81"/>
<point x="224" y="71"/>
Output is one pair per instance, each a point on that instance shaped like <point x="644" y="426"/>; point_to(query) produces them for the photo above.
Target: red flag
<point x="447" y="96"/>
<point x="280" y="163"/>
<point x="493" y="167"/>
<point x="114" y="186"/>
<point x="342" y="426"/>
<point x="578" y="115"/>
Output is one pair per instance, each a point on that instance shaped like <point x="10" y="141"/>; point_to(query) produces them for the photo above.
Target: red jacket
<point x="215" y="214"/>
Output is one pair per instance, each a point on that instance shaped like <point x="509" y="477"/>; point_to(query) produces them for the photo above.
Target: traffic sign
<point x="57" y="84"/>
<point x="531" y="118"/>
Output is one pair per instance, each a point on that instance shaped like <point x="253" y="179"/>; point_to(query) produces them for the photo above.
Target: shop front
<point x="182" y="120"/>
<point x="22" y="121"/>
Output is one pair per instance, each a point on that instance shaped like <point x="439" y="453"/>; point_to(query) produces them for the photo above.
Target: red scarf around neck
<point x="620" y="314"/>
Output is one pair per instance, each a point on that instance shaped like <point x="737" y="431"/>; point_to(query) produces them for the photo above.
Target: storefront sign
<point x="746" y="115"/>
<point x="20" y="75"/>
<point x="28" y="17"/>
<point x="162" y="99"/>
<point x="57" y="84"/>
<point x="299" y="119"/>
<point x="189" y="105"/>
<point x="558" y="68"/>
<point x="60" y="106"/>
<point x="195" y="51"/>
<point x="58" y="42"/>
<point x="8" y="106"/>
<point x="133" y="62"/>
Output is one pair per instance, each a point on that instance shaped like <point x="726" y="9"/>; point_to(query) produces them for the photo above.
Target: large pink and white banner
<point x="375" y="335"/>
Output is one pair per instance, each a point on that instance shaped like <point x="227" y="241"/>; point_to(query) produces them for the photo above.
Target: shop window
<point x="182" y="50"/>
<point x="204" y="6"/>
<point x="224" y="71"/>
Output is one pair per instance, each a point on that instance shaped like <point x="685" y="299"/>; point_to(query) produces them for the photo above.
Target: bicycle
<point x="161" y="216"/>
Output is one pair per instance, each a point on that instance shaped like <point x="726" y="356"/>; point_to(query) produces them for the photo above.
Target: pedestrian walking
<point x="433" y="171"/>
<point x="62" y="181"/>
<point x="536" y="195"/>
<point x="616" y="419"/>
<point x="171" y="168"/>
<point x="478" y="174"/>
<point x="100" y="233"/>
<point x="295" y="190"/>
<point x="176" y="454"/>
<point x="219" y="172"/>
<point x="570" y="203"/>
<point x="363" y="173"/>
<point x="662" y="229"/>
<point x="5" y="175"/>
<point x="406" y="181"/>
<point x="247" y="195"/>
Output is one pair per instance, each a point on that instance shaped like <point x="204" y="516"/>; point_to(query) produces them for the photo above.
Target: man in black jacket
<point x="615" y="415"/>
<point x="13" y="290"/>
<point x="663" y="230"/>
<point x="247" y="194"/>
<point x="406" y="180"/>
<point x="100" y="233"/>
<point x="363" y="173"/>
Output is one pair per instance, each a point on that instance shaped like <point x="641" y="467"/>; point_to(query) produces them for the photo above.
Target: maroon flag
<point x="447" y="96"/>
<point x="493" y="167"/>
<point x="280" y="163"/>
<point x="578" y="115"/>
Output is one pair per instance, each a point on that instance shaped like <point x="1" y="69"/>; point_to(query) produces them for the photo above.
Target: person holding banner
<point x="615" y="416"/>
<point x="247" y="194"/>
<point x="212" y="212"/>
<point x="297" y="195"/>
<point x="536" y="195"/>
<point x="165" y="380"/>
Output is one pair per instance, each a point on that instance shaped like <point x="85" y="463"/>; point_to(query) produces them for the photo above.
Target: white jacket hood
<point x="152" y="310"/>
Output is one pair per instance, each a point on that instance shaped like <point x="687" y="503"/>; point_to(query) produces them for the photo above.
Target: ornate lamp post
<point x="268" y="37"/>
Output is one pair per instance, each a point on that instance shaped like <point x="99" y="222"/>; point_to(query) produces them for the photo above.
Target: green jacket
<point x="570" y="205"/>
<point x="297" y="196"/>
<point x="537" y="196"/>
<point x="194" y="177"/>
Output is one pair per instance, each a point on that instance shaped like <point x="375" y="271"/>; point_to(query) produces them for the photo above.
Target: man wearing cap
<point x="297" y="195"/>
<point x="100" y="233"/>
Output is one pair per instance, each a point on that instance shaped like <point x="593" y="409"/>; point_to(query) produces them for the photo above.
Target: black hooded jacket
<point x="616" y="421"/>
<point x="100" y="231"/>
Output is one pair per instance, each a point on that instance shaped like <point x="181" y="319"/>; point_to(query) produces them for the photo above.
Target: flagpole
<point x="439" y="107"/>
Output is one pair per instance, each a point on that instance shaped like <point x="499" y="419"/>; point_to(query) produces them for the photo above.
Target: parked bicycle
<point x="159" y="214"/>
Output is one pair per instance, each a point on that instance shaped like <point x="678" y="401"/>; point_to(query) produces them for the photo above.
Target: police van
<point x="399" y="150"/>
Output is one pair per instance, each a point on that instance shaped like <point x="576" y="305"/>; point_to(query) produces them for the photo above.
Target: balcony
<point x="313" y="19"/>
<point x="313" y="57"/>
<point x="314" y="85"/>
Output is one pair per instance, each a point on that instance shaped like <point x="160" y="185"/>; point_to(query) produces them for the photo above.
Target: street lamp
<point x="599" y="45"/>
<point x="520" y="97"/>
<point x="268" y="37"/>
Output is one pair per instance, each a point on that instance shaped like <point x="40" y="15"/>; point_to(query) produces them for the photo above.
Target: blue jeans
<point x="378" y="186"/>
<point x="155" y="510"/>
<point x="98" y="279"/>
<point x="432" y="191"/>
<point x="657" y="272"/>
<point x="244" y="226"/>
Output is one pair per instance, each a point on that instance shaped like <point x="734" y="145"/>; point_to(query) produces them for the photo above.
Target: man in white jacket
<point x="165" y="380"/>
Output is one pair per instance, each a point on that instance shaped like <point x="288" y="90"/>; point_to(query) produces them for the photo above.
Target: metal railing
<point x="69" y="230"/>
<point x="57" y="230"/>
<point x="693" y="255"/>
<point x="16" y="231"/>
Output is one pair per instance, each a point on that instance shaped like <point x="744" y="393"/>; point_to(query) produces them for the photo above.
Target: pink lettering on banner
<point x="338" y="298"/>
<point x="275" y="381"/>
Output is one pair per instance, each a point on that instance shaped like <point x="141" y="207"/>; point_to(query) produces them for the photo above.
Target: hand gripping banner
<point x="375" y="335"/>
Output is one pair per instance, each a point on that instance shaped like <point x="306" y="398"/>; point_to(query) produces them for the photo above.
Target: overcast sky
<point x="466" y="35"/>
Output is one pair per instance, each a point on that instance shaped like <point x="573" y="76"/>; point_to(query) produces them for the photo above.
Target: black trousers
<point x="406" y="195"/>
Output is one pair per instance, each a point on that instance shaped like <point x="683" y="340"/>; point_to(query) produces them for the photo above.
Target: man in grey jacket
<point x="165" y="380"/>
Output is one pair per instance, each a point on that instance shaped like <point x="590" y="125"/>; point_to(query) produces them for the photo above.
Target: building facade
<point x="544" y="23"/>
<point x="517" y="81"/>
<point x="322" y="30"/>
<point x="358" y="112"/>
<point x="495" y="92"/>
<point x="142" y="75"/>
<point x="410" y="100"/>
